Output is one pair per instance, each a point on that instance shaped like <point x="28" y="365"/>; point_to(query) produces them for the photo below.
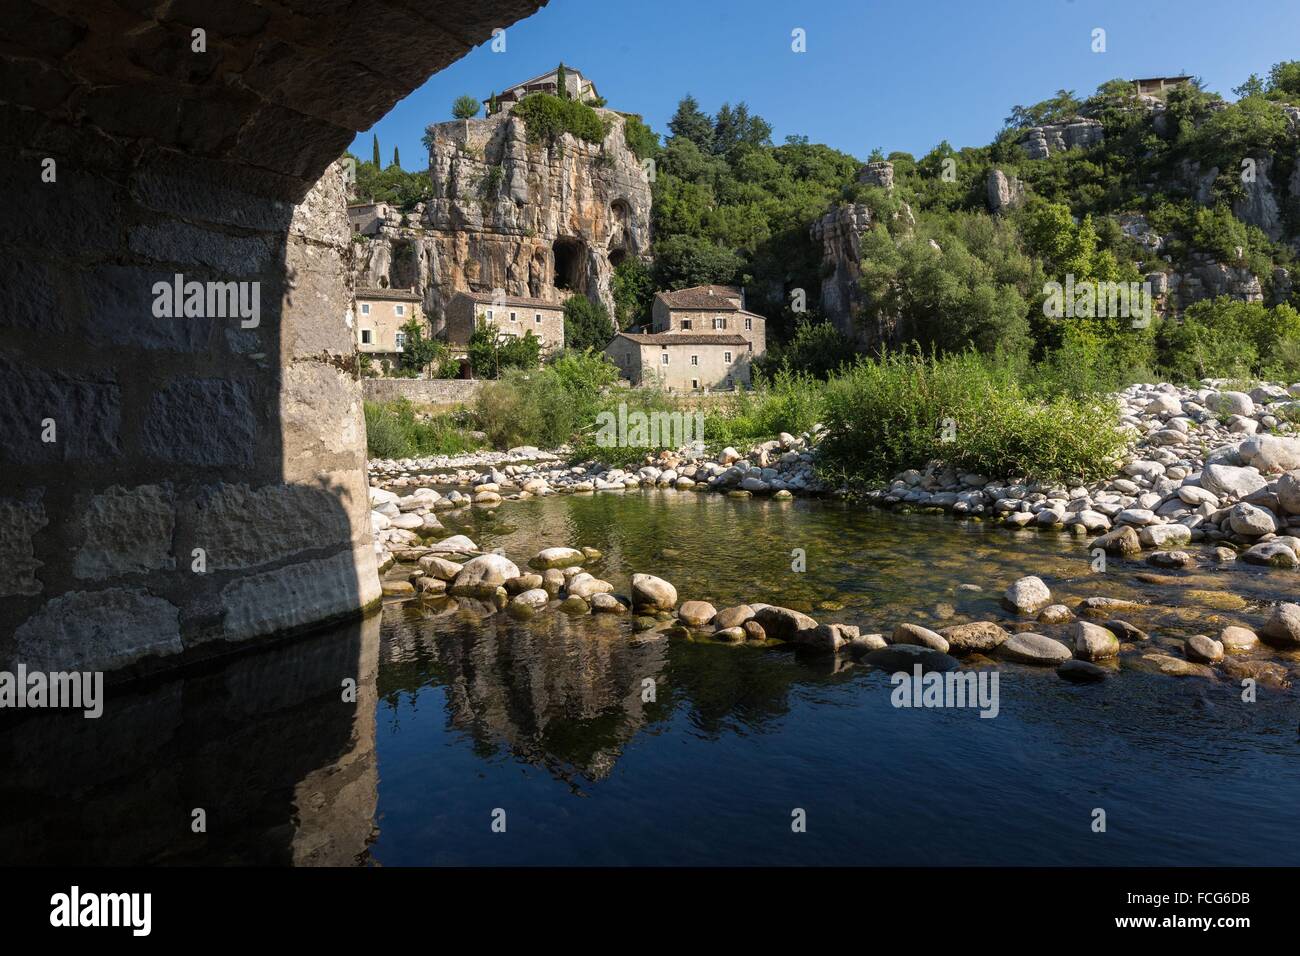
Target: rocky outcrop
<point x="531" y="219"/>
<point x="1004" y="192"/>
<point x="1039" y="142"/>
<point x="1258" y="205"/>
<point x="840" y="233"/>
<point x="880" y="173"/>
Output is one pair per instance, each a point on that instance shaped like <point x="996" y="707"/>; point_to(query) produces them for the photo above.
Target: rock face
<point x="1039" y="142"/>
<point x="1004" y="192"/>
<point x="532" y="219"/>
<point x="1258" y="205"/>
<point x="840" y="233"/>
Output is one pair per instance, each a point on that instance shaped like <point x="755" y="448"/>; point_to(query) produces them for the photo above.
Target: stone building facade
<point x="511" y="315"/>
<point x="379" y="315"/>
<point x="682" y="361"/>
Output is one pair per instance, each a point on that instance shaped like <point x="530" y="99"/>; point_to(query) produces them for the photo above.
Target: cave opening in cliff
<point x="569" y="255"/>
<point x="616" y="257"/>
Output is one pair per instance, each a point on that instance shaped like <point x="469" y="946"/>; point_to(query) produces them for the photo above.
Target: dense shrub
<point x="492" y="352"/>
<point x="586" y="324"/>
<point x="903" y="410"/>
<point x="546" y="117"/>
<point x="395" y="430"/>
<point x="1224" y="338"/>
<point x="784" y="402"/>
<point x="816" y="348"/>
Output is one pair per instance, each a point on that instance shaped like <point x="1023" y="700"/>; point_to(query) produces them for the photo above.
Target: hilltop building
<point x="1154" y="85"/>
<point x="578" y="87"/>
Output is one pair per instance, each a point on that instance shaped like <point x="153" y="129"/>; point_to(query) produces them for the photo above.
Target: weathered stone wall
<point x="422" y="391"/>
<point x="130" y="440"/>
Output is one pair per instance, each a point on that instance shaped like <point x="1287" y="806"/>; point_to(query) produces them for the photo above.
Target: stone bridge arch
<point x="136" y="149"/>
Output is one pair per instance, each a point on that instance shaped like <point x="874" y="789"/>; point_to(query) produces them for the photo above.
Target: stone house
<point x="512" y="315"/>
<point x="1155" y="85"/>
<point x="368" y="218"/>
<point x="379" y="315"/>
<point x="709" y="309"/>
<point x="701" y="337"/>
<point x="682" y="361"/>
<point x="578" y="86"/>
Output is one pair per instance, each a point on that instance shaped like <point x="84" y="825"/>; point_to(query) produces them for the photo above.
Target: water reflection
<point x="283" y="768"/>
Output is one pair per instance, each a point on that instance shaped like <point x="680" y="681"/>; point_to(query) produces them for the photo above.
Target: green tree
<point x="684" y="261"/>
<point x="397" y="158"/>
<point x="692" y="123"/>
<point x="374" y="142"/>
<point x="491" y="351"/>
<point x="418" y="351"/>
<point x="562" y="82"/>
<point x="633" y="289"/>
<point x="465" y="107"/>
<point x="1064" y="105"/>
<point x="586" y="324"/>
<point x="734" y="126"/>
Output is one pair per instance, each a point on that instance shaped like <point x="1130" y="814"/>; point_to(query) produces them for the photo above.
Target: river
<point x="568" y="740"/>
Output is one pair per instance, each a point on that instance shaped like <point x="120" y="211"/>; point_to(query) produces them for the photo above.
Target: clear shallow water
<point x="460" y="715"/>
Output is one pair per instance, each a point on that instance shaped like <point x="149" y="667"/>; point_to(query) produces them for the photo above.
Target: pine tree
<point x="375" y="145"/>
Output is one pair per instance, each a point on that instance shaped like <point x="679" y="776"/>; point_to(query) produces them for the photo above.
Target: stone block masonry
<point x="172" y="486"/>
<point x="432" y="391"/>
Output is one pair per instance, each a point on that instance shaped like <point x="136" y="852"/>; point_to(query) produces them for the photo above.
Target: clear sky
<point x="888" y="73"/>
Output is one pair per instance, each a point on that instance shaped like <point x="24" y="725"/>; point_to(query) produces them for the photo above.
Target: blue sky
<point x="888" y="73"/>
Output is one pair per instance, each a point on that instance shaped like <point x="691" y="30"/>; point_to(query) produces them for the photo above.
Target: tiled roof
<point x="403" y="295"/>
<point x="684" y="338"/>
<point x="714" y="297"/>
<point x="486" y="298"/>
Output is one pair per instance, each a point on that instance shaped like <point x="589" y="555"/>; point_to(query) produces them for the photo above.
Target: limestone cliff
<point x="532" y="219"/>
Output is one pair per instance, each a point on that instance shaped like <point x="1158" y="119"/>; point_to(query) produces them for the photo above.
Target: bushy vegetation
<point x="546" y="117"/>
<point x="586" y="324"/>
<point x="904" y="409"/>
<point x="493" y="352"/>
<point x="392" y="185"/>
<point x="395" y="430"/>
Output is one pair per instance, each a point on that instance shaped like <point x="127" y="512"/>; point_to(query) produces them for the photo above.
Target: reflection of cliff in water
<point x="560" y="692"/>
<point x="265" y="745"/>
<point x="567" y="693"/>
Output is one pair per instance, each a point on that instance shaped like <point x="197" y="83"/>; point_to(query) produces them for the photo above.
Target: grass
<point x="395" y="430"/>
<point x="903" y="410"/>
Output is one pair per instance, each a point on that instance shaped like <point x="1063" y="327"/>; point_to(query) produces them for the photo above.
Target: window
<point x="400" y="339"/>
<point x="751" y="346"/>
<point x="749" y="325"/>
<point x="695" y="360"/>
<point x="365" y="308"/>
<point x="514" y="317"/>
<point x="726" y="357"/>
<point x="716" y="320"/>
<point x="537" y="317"/>
<point x="489" y="315"/>
<point x="686" y="325"/>
<point x="695" y="383"/>
<point x="367" y="337"/>
<point x="399" y="310"/>
<point x="663" y="358"/>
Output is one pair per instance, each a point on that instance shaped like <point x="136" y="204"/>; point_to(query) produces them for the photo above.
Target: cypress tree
<point x="375" y="145"/>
